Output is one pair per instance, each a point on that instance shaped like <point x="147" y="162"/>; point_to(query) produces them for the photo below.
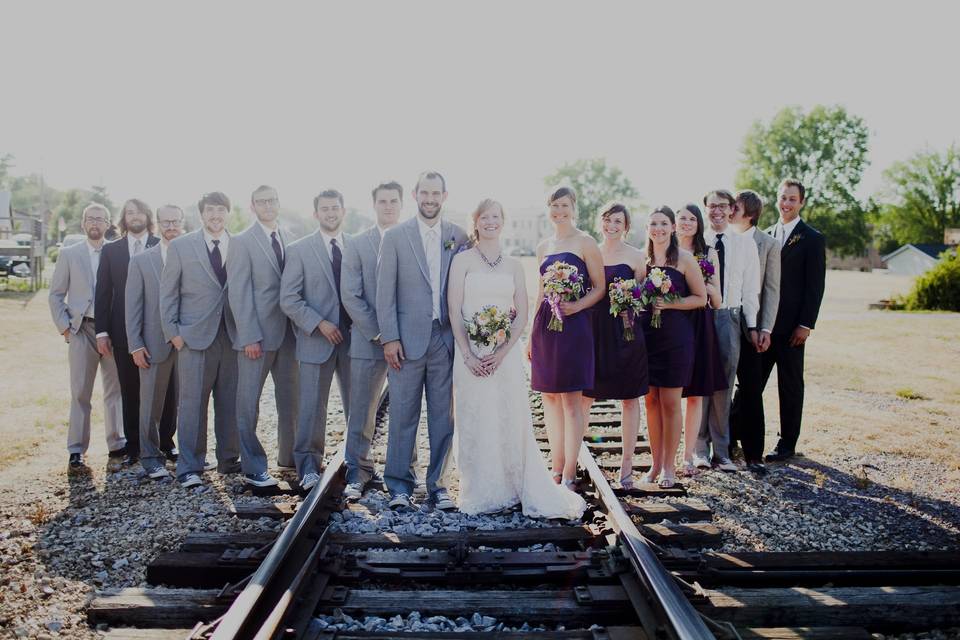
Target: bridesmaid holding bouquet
<point x="620" y="352"/>
<point x="560" y="347"/>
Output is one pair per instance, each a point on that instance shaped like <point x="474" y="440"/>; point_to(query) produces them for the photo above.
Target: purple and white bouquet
<point x="562" y="282"/>
<point x="658" y="284"/>
<point x="625" y="301"/>
<point x="706" y="267"/>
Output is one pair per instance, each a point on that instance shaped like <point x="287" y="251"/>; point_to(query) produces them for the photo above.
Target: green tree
<point x="826" y="149"/>
<point x="922" y="198"/>
<point x="69" y="209"/>
<point x="99" y="195"/>
<point x="596" y="183"/>
<point x="6" y="161"/>
<point x="30" y="193"/>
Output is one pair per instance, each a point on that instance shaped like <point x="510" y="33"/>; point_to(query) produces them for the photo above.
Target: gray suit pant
<point x="432" y="373"/>
<point x="715" y="422"/>
<point x="367" y="377"/>
<point x="153" y="394"/>
<point x="251" y="374"/>
<point x="315" y="382"/>
<point x="200" y="373"/>
<point x="84" y="360"/>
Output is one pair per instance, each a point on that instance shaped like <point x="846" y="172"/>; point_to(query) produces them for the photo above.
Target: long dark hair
<point x="142" y="207"/>
<point x="699" y="243"/>
<point x="673" y="251"/>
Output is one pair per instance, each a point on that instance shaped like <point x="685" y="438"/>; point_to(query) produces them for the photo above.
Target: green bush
<point x="939" y="288"/>
<point x="53" y="253"/>
<point x="13" y="283"/>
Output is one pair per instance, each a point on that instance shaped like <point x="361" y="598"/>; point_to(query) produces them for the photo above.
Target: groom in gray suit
<point x="153" y="356"/>
<point x="417" y="341"/>
<point x="265" y="342"/>
<point x="72" y="293"/>
<point x="197" y="321"/>
<point x="310" y="296"/>
<point x="368" y="369"/>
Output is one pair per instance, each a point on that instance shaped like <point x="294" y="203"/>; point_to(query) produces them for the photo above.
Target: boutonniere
<point x="449" y="244"/>
<point x="795" y="239"/>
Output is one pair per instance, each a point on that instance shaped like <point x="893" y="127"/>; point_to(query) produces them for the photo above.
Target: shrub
<point x="939" y="288"/>
<point x="53" y="253"/>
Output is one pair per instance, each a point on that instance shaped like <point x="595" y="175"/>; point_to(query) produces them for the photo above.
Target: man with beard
<point x="417" y="340"/>
<point x="368" y="369"/>
<point x="196" y="319"/>
<point x="72" y="293"/>
<point x="265" y="342"/>
<point x="310" y="296"/>
<point x="152" y="354"/>
<point x="136" y="227"/>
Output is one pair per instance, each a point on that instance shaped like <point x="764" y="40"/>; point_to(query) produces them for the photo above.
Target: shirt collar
<point x="132" y="240"/>
<point x="224" y="236"/>
<point x="327" y="238"/>
<point x="788" y="227"/>
<point x="749" y="231"/>
<point x="267" y="230"/>
<point x="92" y="249"/>
<point x="424" y="227"/>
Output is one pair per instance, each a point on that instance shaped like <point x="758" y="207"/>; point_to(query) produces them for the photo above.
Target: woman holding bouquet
<point x="560" y="347"/>
<point x="708" y="375"/>
<point x="673" y="287"/>
<point x="497" y="456"/>
<point x="620" y="353"/>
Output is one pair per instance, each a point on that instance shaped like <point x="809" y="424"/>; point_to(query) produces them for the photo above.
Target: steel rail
<point x="681" y="620"/>
<point x="269" y="585"/>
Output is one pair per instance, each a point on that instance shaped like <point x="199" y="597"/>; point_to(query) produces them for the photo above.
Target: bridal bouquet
<point x="490" y="327"/>
<point x="625" y="296"/>
<point x="658" y="285"/>
<point x="562" y="282"/>
<point x="706" y="267"/>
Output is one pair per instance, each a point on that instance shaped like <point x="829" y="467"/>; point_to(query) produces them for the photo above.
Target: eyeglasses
<point x="169" y="224"/>
<point x="264" y="202"/>
<point x="94" y="220"/>
<point x="718" y="206"/>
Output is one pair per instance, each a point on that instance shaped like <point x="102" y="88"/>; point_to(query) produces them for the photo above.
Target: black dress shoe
<point x="129" y="460"/>
<point x="76" y="460"/>
<point x="778" y="456"/>
<point x="757" y="467"/>
<point x="117" y="453"/>
<point x="171" y="454"/>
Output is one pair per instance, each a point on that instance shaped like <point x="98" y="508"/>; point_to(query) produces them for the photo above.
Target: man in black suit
<point x="136" y="226"/>
<point x="803" y="265"/>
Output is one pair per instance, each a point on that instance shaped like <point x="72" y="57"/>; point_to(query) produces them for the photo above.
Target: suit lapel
<point x="152" y="240"/>
<point x="413" y="235"/>
<point x="201" y="246"/>
<point x="796" y="235"/>
<point x="156" y="261"/>
<point x="265" y="244"/>
<point x="324" y="258"/>
<point x="373" y="237"/>
<point x="446" y="235"/>
<point x="87" y="267"/>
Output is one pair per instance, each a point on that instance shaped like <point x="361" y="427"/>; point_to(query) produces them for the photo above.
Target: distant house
<point x="914" y="259"/>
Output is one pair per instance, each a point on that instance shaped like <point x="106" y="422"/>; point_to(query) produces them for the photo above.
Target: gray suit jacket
<point x="72" y="288"/>
<point x="192" y="302"/>
<point x="769" y="251"/>
<point x="142" y="305"/>
<point x="404" y="294"/>
<point x="308" y="294"/>
<point x="253" y="287"/>
<point x="358" y="288"/>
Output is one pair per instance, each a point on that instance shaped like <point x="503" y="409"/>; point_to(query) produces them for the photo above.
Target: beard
<point x="136" y="228"/>
<point x="429" y="216"/>
<point x="330" y="228"/>
<point x="94" y="233"/>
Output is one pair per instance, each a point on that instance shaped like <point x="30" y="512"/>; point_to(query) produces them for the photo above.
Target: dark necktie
<point x="337" y="257"/>
<point x="720" y="251"/>
<point x="275" y="241"/>
<point x="216" y="261"/>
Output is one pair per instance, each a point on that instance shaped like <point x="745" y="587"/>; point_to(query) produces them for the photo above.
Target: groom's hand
<point x="330" y="331"/>
<point x="393" y="352"/>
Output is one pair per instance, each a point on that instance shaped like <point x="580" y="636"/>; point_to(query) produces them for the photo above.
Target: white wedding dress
<point x="498" y="458"/>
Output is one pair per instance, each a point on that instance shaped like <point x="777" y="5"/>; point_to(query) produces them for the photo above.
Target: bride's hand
<point x="475" y="365"/>
<point x="492" y="362"/>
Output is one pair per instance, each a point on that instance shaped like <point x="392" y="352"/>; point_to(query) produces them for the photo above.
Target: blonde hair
<point x="95" y="206"/>
<point x="485" y="204"/>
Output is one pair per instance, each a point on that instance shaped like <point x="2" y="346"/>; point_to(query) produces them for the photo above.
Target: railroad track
<point x="638" y="566"/>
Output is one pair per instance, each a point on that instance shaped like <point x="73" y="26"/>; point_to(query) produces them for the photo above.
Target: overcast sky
<point x="164" y="101"/>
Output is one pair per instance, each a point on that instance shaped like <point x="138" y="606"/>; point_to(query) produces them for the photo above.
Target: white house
<point x="914" y="259"/>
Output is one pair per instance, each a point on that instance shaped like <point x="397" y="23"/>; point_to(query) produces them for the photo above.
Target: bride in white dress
<point x="499" y="462"/>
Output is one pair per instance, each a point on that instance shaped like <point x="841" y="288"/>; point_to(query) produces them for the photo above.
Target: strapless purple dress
<point x="621" y="366"/>
<point x="670" y="348"/>
<point x="562" y="360"/>
<point x="707" y="375"/>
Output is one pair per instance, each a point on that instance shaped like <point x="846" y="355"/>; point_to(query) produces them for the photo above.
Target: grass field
<point x="877" y="382"/>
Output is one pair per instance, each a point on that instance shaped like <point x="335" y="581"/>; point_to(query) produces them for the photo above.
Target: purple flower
<point x="637" y="294"/>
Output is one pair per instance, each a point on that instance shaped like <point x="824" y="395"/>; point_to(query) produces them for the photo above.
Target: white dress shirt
<point x="267" y="230"/>
<point x="784" y="229"/>
<point x="431" y="246"/>
<point x="164" y="245"/>
<point x="224" y="243"/>
<point x="132" y="243"/>
<point x="326" y="243"/>
<point x="741" y="273"/>
<point x="94" y="253"/>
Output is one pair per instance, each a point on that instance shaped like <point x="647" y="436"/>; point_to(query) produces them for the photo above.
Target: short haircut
<point x="263" y="187"/>
<point x="142" y="207"/>
<point x="793" y="182"/>
<point x="214" y="198"/>
<point x="171" y="206"/>
<point x="563" y="192"/>
<point x="327" y="193"/>
<point x="752" y="205"/>
<point x="95" y="206"/>
<point x="616" y="207"/>
<point x="393" y="185"/>
<point x="720" y="193"/>
<point x="430" y="175"/>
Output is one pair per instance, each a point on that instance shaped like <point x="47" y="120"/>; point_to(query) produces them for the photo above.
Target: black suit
<point x="109" y="317"/>
<point x="803" y="266"/>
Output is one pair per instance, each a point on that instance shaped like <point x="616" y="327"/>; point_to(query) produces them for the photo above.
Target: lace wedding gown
<point x="497" y="456"/>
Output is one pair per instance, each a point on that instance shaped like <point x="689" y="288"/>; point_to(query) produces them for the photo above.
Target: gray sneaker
<point x="353" y="491"/>
<point x="726" y="464"/>
<point x="443" y="501"/>
<point x="400" y="502"/>
<point x="700" y="462"/>
<point x="159" y="473"/>
<point x="190" y="480"/>
<point x="309" y="481"/>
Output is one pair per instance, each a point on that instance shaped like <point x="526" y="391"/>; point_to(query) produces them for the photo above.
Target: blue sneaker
<point x="260" y="479"/>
